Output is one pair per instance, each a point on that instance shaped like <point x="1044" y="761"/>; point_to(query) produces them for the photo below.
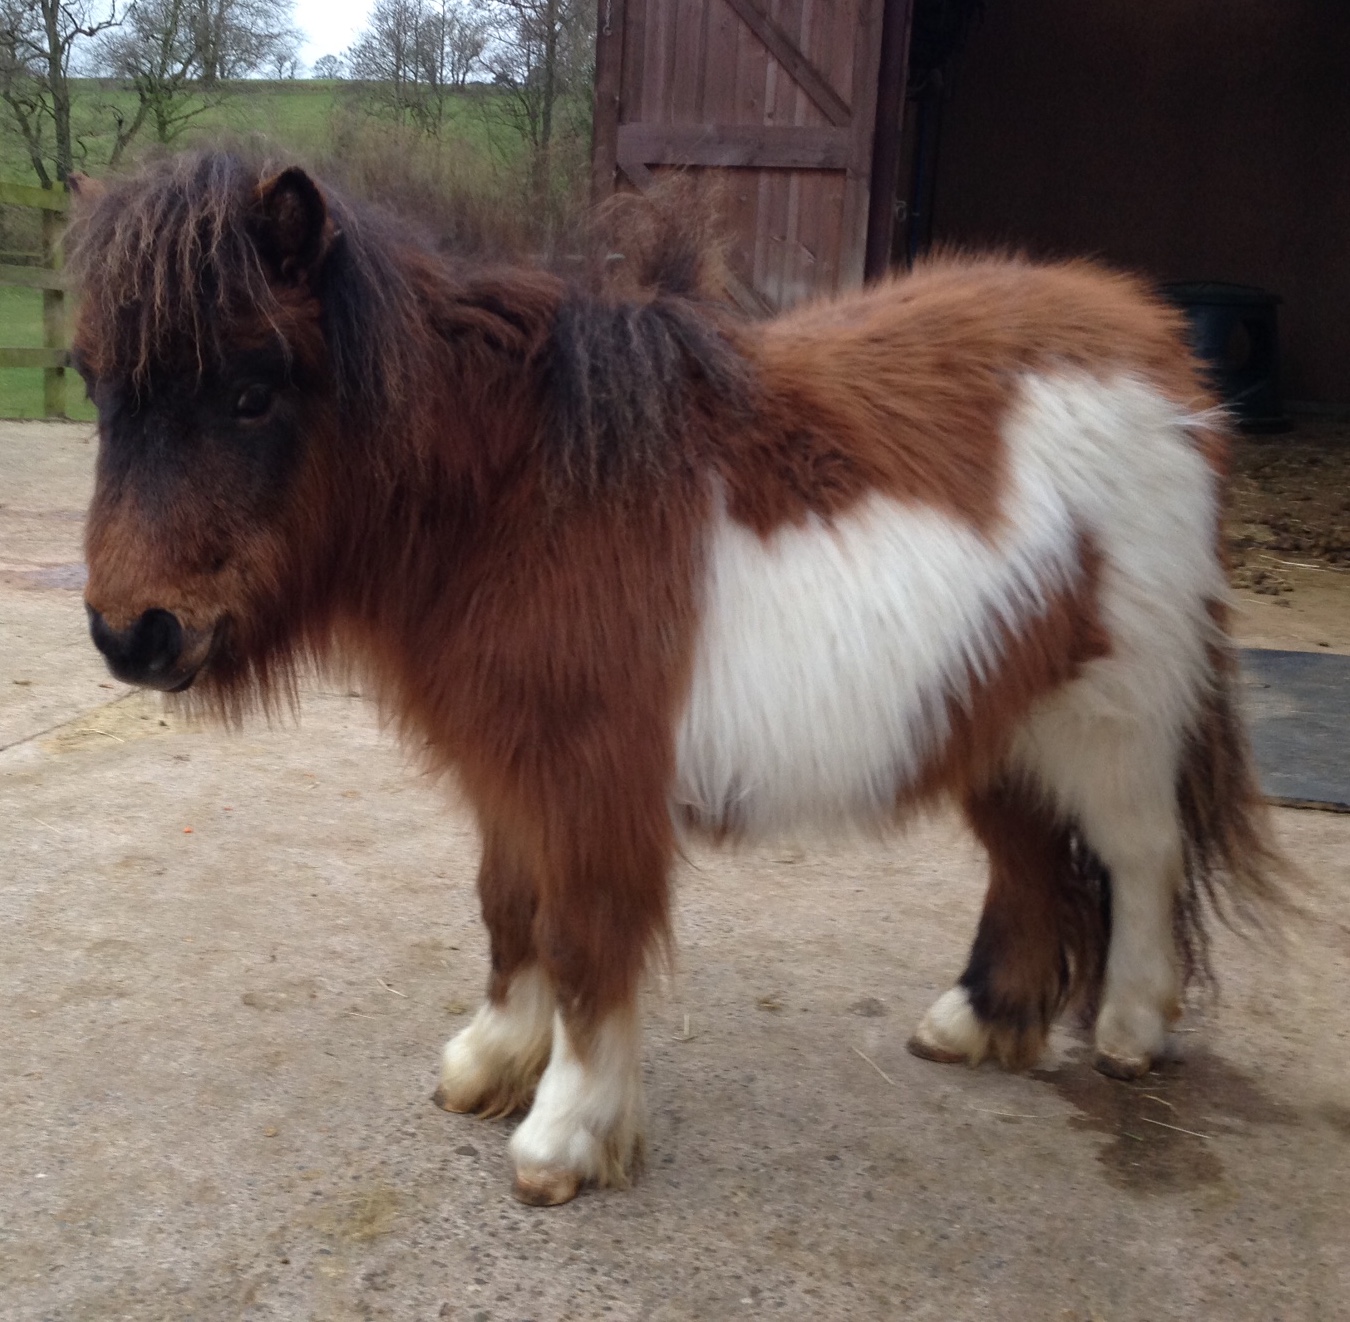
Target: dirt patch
<point x="1290" y="502"/>
<point x="1288" y="536"/>
<point x="1338" y="1117"/>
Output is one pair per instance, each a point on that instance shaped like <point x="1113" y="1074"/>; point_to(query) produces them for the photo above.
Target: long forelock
<point x="166" y="264"/>
<point x="169" y="270"/>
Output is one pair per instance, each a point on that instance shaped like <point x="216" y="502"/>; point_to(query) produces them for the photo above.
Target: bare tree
<point x="453" y="41"/>
<point x="177" y="54"/>
<point x="156" y="51"/>
<point x="415" y="55"/>
<point x="385" y="55"/>
<point x="541" y="61"/>
<point x="240" y="37"/>
<point x="328" y="67"/>
<point x="39" y="39"/>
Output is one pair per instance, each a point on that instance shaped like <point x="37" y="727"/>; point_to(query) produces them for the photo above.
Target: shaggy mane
<point x="609" y="375"/>
<point x="168" y="257"/>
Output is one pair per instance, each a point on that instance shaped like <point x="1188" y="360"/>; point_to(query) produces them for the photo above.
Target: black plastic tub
<point x="1235" y="329"/>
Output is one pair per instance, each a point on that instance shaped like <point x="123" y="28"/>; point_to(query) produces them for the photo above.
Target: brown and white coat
<point x="635" y="570"/>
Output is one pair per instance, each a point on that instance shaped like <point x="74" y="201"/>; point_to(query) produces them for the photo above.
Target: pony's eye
<point x="253" y="401"/>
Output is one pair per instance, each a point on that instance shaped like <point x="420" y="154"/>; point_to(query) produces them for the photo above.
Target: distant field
<point x="295" y="114"/>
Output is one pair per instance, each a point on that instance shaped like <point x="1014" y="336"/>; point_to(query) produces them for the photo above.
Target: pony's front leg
<point x="585" y="1126"/>
<point x="492" y="1066"/>
<point x="598" y="922"/>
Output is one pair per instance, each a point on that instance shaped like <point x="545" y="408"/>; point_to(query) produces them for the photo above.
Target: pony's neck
<point x="462" y="434"/>
<point x="479" y="411"/>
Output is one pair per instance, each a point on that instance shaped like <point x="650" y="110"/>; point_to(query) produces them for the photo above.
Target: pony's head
<point x="210" y="346"/>
<point x="292" y="390"/>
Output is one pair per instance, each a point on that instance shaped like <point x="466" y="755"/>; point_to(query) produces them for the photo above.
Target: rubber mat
<point x="1298" y="712"/>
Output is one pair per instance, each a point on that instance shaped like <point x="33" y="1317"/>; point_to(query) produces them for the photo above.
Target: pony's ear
<point x="291" y="224"/>
<point x="83" y="189"/>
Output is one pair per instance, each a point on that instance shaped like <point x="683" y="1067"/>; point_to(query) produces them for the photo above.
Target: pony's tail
<point x="1233" y="868"/>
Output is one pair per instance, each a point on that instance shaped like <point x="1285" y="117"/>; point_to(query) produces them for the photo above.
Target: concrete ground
<point x="228" y="962"/>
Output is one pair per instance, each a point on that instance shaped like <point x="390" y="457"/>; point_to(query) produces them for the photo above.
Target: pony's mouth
<point x="199" y="647"/>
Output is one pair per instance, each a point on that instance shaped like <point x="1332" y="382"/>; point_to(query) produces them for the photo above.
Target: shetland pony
<point x="635" y="569"/>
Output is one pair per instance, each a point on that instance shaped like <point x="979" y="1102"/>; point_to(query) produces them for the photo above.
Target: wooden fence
<point x="54" y="355"/>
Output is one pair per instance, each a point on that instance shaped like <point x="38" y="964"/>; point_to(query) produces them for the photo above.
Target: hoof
<point x="458" y="1102"/>
<point x="492" y="1066"/>
<point x="447" y="1101"/>
<point x="1125" y="1068"/>
<point x="926" y="1050"/>
<point x="546" y="1186"/>
<point x="951" y="1032"/>
<point x="508" y="1097"/>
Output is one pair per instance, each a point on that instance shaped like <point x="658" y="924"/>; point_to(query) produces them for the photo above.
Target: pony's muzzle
<point x="155" y="652"/>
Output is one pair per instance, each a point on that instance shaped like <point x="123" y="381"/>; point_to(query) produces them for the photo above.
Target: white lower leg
<point x="1142" y="992"/>
<point x="491" y="1067"/>
<point x="586" y="1122"/>
<point x="951" y="1031"/>
<point x="1107" y="753"/>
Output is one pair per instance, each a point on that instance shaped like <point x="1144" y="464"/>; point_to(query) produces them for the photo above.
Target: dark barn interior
<point x="1193" y="140"/>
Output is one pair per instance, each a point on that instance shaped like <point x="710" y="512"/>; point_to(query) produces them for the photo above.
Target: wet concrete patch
<point x="1161" y="1127"/>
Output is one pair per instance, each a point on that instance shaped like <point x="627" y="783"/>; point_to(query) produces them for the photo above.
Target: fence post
<point x="53" y="318"/>
<point x="47" y="276"/>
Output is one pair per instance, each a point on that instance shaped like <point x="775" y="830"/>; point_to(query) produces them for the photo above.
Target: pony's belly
<point x="830" y="654"/>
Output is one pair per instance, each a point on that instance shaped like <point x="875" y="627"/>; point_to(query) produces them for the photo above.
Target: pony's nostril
<point x="157" y="642"/>
<point x="145" y="652"/>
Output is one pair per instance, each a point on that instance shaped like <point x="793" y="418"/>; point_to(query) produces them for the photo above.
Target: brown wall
<point x="1191" y="139"/>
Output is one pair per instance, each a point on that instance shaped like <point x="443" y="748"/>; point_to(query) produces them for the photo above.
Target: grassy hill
<point x="296" y="114"/>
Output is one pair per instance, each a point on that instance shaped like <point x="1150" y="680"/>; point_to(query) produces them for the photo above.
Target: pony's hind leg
<point x="1040" y="935"/>
<point x="1140" y="844"/>
<point x="492" y="1066"/>
<point x="1116" y="780"/>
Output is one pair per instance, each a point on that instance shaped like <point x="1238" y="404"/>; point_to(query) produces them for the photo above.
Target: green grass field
<point x="295" y="114"/>
<point x="292" y="114"/>
<point x="20" y="388"/>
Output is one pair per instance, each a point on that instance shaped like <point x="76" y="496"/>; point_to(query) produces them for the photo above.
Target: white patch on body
<point x="586" y="1121"/>
<point x="829" y="652"/>
<point x="494" y="1062"/>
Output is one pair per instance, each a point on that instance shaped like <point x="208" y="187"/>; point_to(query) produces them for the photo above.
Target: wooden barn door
<point x="780" y="97"/>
